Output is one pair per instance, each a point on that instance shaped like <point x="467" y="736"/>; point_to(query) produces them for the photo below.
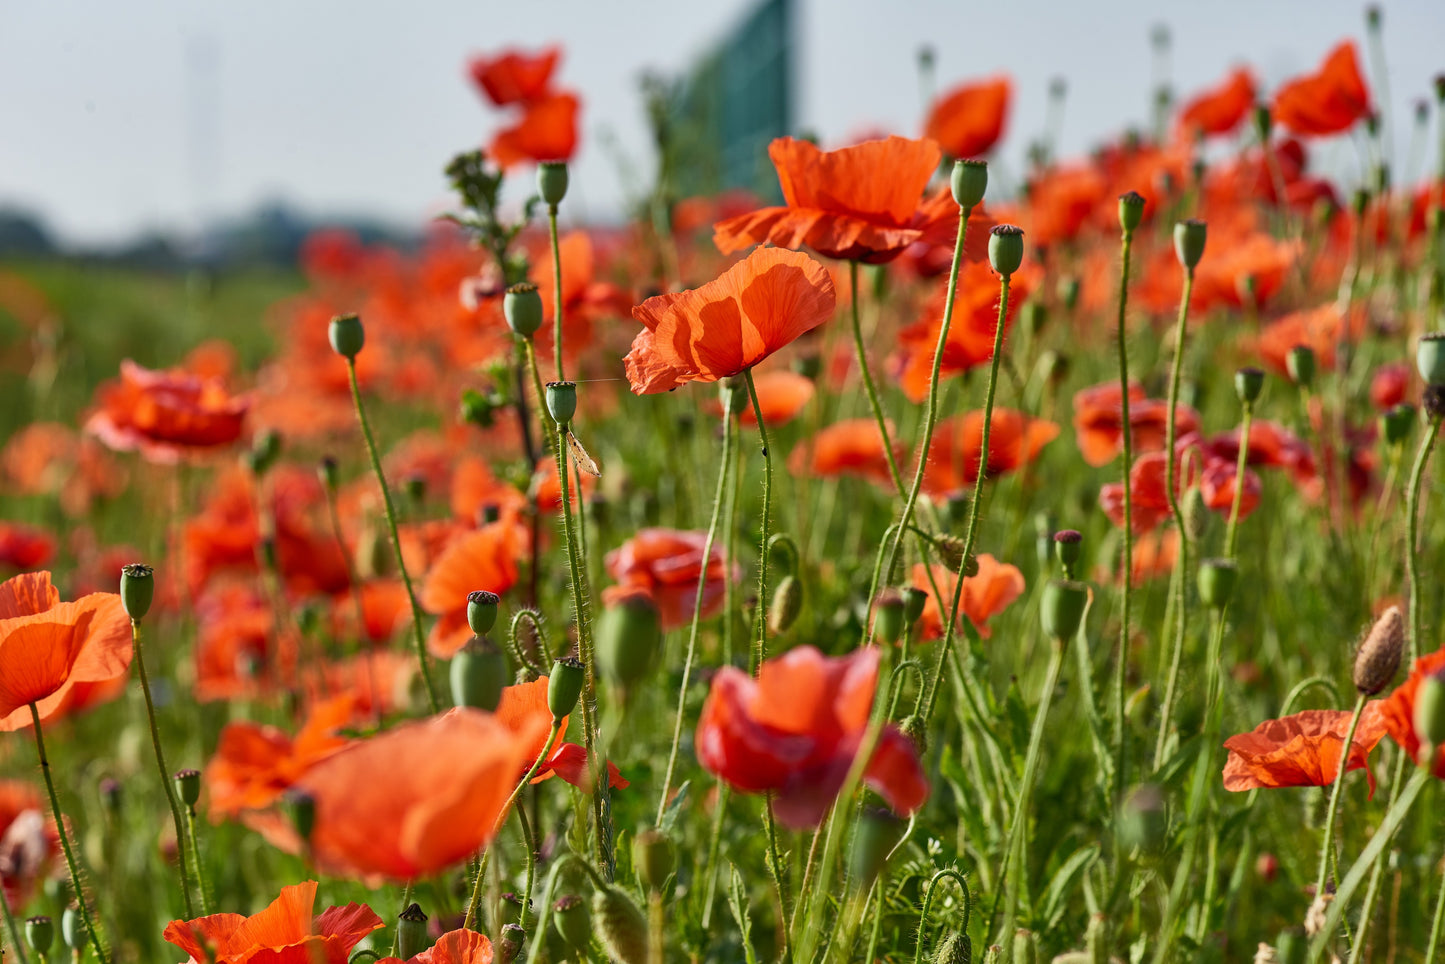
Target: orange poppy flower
<point x="546" y="131"/>
<point x="1015" y="439"/>
<point x="1390" y="385"/>
<point x="782" y="394"/>
<point x="1099" y="422"/>
<point x="454" y="947"/>
<point x="795" y="730"/>
<point x="238" y="651"/>
<point x="1271" y="445"/>
<point x="757" y="306"/>
<point x="514" y="76"/>
<point x="547" y="486"/>
<point x="47" y="646"/>
<point x="1060" y="203"/>
<point x="1150" y="499"/>
<point x="523" y="705"/>
<point x="1329" y="101"/>
<point x="378" y="682"/>
<point x="1218" y="110"/>
<point x="482" y="559"/>
<point x="1398" y="710"/>
<point x="1302" y="750"/>
<point x="25" y="546"/>
<point x="474" y="488"/>
<point x="667" y="563"/>
<point x="284" y="933"/>
<point x="254" y="765"/>
<point x="31" y="843"/>
<point x="853" y="446"/>
<point x="1316" y="328"/>
<point x="165" y="415"/>
<point x="456" y="772"/>
<point x="385" y="609"/>
<point x="585" y="300"/>
<point x="985" y="595"/>
<point x="858" y="203"/>
<point x="969" y="119"/>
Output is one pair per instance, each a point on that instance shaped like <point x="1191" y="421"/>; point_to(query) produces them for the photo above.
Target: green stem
<point x="780" y="879"/>
<point x="416" y="624"/>
<point x="1412" y="532"/>
<point x="868" y="386"/>
<point x="1327" y="844"/>
<point x="1435" y="925"/>
<point x="760" y="652"/>
<point x="928" y="901"/>
<point x="557" y="292"/>
<point x="208" y="905"/>
<point x="92" y="925"/>
<point x="1231" y="532"/>
<point x="713" y="845"/>
<point x="1121" y="667"/>
<point x="16" y="942"/>
<point x="1397" y="785"/>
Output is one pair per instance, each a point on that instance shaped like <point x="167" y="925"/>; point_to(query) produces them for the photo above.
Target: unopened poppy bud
<point x="915" y="728"/>
<point x="328" y="472"/>
<point x="786" y="605"/>
<point x="1006" y="248"/>
<point x="1069" y="292"/>
<point x="620" y="925"/>
<point x="509" y="945"/>
<point x="137" y="589"/>
<point x="522" y="307"/>
<point x="1131" y="211"/>
<point x="1360" y="201"/>
<point x="733" y="393"/>
<point x="478" y="673"/>
<point x="810" y="366"/>
<point x="1263" y="122"/>
<point x="1248" y="383"/>
<point x="914" y="599"/>
<point x="482" y="611"/>
<point x="552" y="182"/>
<point x="265" y="449"/>
<point x="347" y="335"/>
<point x="1068" y="543"/>
<point x="1382" y="179"/>
<point x="302" y="807"/>
<point x="969" y="182"/>
<point x="1430" y="358"/>
<point x="1433" y="401"/>
<point x="1195" y="512"/>
<point x="877" y="833"/>
<point x="950" y="550"/>
<point x="1063" y="608"/>
<point x="110" y="796"/>
<point x="188" y="787"/>
<point x="1189" y="238"/>
<point x="1035" y="316"/>
<point x="415" y="484"/>
<point x="1026" y="947"/>
<point x="629" y="634"/>
<point x="1395" y="425"/>
<point x="1372" y="16"/>
<point x="1143" y="820"/>
<point x="411" y="931"/>
<point x="562" y="401"/>
<point x="993" y="954"/>
<point x="1300" y="362"/>
<point x="955" y="949"/>
<point x="40" y="934"/>
<point x="889" y="616"/>
<point x="573" y="922"/>
<point x="653" y="858"/>
<point x="72" y="928"/>
<point x="564" y="686"/>
<point x="1430" y="713"/>
<point x="1378" y="658"/>
<point x="1216" y="581"/>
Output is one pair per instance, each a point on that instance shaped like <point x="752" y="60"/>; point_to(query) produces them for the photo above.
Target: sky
<point x="157" y="114"/>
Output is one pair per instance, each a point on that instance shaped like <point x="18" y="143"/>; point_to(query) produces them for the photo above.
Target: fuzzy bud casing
<point x="787" y="604"/>
<point x="888" y="616"/>
<point x="1063" y="607"/>
<point x="620" y="925"/>
<point x="653" y="858"/>
<point x="1378" y="658"/>
<point x="573" y="921"/>
<point x="1217" y="579"/>
<point x="629" y="634"/>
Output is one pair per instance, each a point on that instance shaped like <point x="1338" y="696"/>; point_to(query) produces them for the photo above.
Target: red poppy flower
<point x="283" y="933"/>
<point x="522" y="707"/>
<point x="858" y="203"/>
<point x="1316" y="328"/>
<point x="165" y="415"/>
<point x="782" y="394"/>
<point x="546" y="131"/>
<point x="454" y="947"/>
<point x="1218" y="110"/>
<point x="969" y="119"/>
<point x="1398" y="710"/>
<point x="1193" y="463"/>
<point x="758" y="306"/>
<point x="239" y="652"/>
<point x="514" y="76"/>
<point x="25" y="546"/>
<point x="378" y="682"/>
<point x="254" y="765"/>
<point x="986" y="594"/>
<point x="1328" y="101"/>
<point x="667" y="563"/>
<point x="853" y="446"/>
<point x="585" y="300"/>
<point x="1015" y="439"/>
<point x="795" y="730"/>
<point x="1271" y="445"/>
<point x="1390" y="385"/>
<point x="483" y="559"/>
<point x="1099" y="422"/>
<point x="1060" y="203"/>
<point x="30" y="842"/>
<point x="1302" y="750"/>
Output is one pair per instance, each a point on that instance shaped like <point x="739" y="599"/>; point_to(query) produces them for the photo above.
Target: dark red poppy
<point x="1302" y="750"/>
<point x="1099" y="422"/>
<point x="514" y="76"/>
<point x="1328" y="101"/>
<point x="969" y="119"/>
<point x="1218" y="110"/>
<point x="25" y="546"/>
<point x="667" y="563"/>
<point x="1390" y="385"/>
<point x="165" y="415"/>
<point x="283" y="933"/>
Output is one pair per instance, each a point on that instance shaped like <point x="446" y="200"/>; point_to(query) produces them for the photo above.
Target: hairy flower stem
<point x="1181" y="593"/>
<point x="556" y="293"/>
<point x="207" y="904"/>
<point x="416" y="628"/>
<point x="1328" y="841"/>
<point x="1412" y="533"/>
<point x="1435" y="925"/>
<point x="1121" y="665"/>
<point x="928" y="902"/>
<point x="868" y="386"/>
<point x="714" y="843"/>
<point x="166" y="784"/>
<point x="92" y="925"/>
<point x="760" y="651"/>
<point x="17" y="943"/>
<point x="1231" y="532"/>
<point x="718" y="499"/>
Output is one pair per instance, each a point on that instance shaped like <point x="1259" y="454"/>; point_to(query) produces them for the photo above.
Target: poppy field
<point x="906" y="570"/>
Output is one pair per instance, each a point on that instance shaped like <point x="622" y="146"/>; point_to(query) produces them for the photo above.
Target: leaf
<point x="1174" y="769"/>
<point x="738" y="904"/>
<point x="1056" y="899"/>
<point x="674" y="807"/>
<point x="584" y="461"/>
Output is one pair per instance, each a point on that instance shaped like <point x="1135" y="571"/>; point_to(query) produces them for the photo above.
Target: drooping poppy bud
<point x="482" y="611"/>
<point x="188" y="787"/>
<point x="787" y="604"/>
<point x="620" y="925"/>
<point x="564" y="686"/>
<point x="562" y="401"/>
<point x="1131" y="211"/>
<point x="573" y="922"/>
<point x="411" y="931"/>
<point x="1430" y="714"/>
<point x="552" y="182"/>
<point x="478" y="673"/>
<point x="72" y="928"/>
<point x="1379" y="655"/>
<point x="1300" y="363"/>
<point x="955" y="949"/>
<point x="1430" y="358"/>
<point x="137" y="589"/>
<point x="347" y="335"/>
<point x="328" y="472"/>
<point x="509" y="945"/>
<point x="652" y="856"/>
<point x="969" y="182"/>
<point x="1248" y="383"/>
<point x="1063" y="608"/>
<point x="915" y="728"/>
<point x="522" y="307"/>
<point x="1006" y="248"/>
<point x="889" y="616"/>
<point x="1195" y="512"/>
<point x="1395" y="425"/>
<point x="1217" y="578"/>
<point x="1189" y="238"/>
<point x="302" y="808"/>
<point x="914" y="600"/>
<point x="877" y="833"/>
<point x="40" y="934"/>
<point x="629" y="634"/>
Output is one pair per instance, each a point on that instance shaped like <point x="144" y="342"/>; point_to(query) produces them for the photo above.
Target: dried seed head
<point x="1378" y="657"/>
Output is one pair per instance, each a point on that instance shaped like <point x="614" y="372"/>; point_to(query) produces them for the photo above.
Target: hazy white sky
<point x="355" y="106"/>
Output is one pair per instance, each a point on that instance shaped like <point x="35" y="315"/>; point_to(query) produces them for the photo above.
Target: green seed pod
<point x="915" y="728"/>
<point x="1131" y="211"/>
<point x="955" y="949"/>
<point x="482" y="611"/>
<point x="72" y="928"/>
<point x="522" y="307"/>
<point x="1216" y="579"/>
<point x="564" y="686"/>
<point x="889" y="616"/>
<point x="188" y="787"/>
<point x="509" y="945"/>
<point x="411" y="935"/>
<point x="629" y="635"/>
<point x="40" y="934"/>
<point x="969" y="182"/>
<point x="347" y="335"/>
<point x="1430" y="358"/>
<point x="1395" y="425"/>
<point x="1248" y="383"/>
<point x="1300" y="362"/>
<point x="137" y="590"/>
<point x="1378" y="658"/>
<point x="1430" y="712"/>
<point x="562" y="401"/>
<point x="478" y="672"/>
<point x="302" y="807"/>
<point x="914" y="600"/>
<point x="552" y="182"/>
<point x="877" y="833"/>
<point x="787" y="604"/>
<point x="573" y="922"/>
<point x="653" y="858"/>
<point x="1006" y="248"/>
<point x="328" y="472"/>
<point x="620" y="925"/>
<point x="1063" y="608"/>
<point x="1068" y="544"/>
<point x="1143" y="820"/>
<point x="1189" y="238"/>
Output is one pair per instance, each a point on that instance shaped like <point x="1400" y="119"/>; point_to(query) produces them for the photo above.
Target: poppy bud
<point x="1006" y="248"/>
<point x="1430" y="714"/>
<point x="1131" y="211"/>
<point x="1360" y="201"/>
<point x="1248" y="383"/>
<point x="328" y="473"/>
<point x="733" y="393"/>
<point x="137" y="589"/>
<point x="1216" y="581"/>
<point x="1372" y="16"/>
<point x="1189" y="237"/>
<point x="265" y="448"/>
<point x="72" y="928"/>
<point x="411" y="935"/>
<point x="877" y="833"/>
<point x="552" y="182"/>
<point x="1069" y="292"/>
<point x="955" y="949"/>
<point x="1382" y="179"/>
<point x="786" y="605"/>
<point x="620" y="925"/>
<point x="889" y="616"/>
<point x="1430" y="358"/>
<point x="1300" y="362"/>
<point x="629" y="634"/>
<point x="1395" y="424"/>
<point x="993" y="954"/>
<point x="522" y="307"/>
<point x="1035" y="316"/>
<point x="1063" y="608"/>
<point x="914" y="727"/>
<point x="950" y="550"/>
<point x="1096" y="939"/>
<point x="1067" y="545"/>
<point x="40" y="934"/>
<point x="478" y="673"/>
<point x="1433" y="402"/>
<point x="1379" y="655"/>
<point x="653" y="859"/>
<point x="482" y="611"/>
<point x="1263" y="122"/>
<point x="1195" y="512"/>
<point x="110" y="796"/>
<point x="188" y="787"/>
<point x="573" y="921"/>
<point x="509" y="945"/>
<point x="564" y="686"/>
<point x="302" y="807"/>
<point x="562" y="401"/>
<point x="347" y="335"/>
<point x="1026" y="947"/>
<point x="914" y="599"/>
<point x="810" y="366"/>
<point x="969" y="182"/>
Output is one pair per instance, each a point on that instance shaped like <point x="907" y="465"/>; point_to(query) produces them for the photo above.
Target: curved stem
<point x="416" y="632"/>
<point x="1412" y="532"/>
<point x="557" y="289"/>
<point x="1327" y="844"/>
<point x="928" y="901"/>
<point x="534" y="618"/>
<point x="1305" y="685"/>
<point x="166" y="784"/>
<point x="1121" y="666"/>
<point x="1231" y="532"/>
<point x="760" y="651"/>
<point x="868" y="386"/>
